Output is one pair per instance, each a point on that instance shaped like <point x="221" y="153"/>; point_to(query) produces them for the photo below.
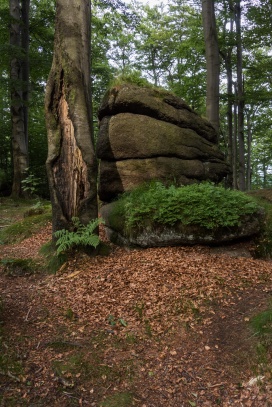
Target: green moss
<point x="131" y="78"/>
<point x="52" y="261"/>
<point x="25" y="228"/>
<point x="118" y="400"/>
<point x="19" y="267"/>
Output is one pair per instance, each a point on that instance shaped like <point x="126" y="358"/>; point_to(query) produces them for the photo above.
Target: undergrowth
<point x="52" y="261"/>
<point x="261" y="325"/>
<point x="263" y="242"/>
<point x="204" y="204"/>
<point x="19" y="267"/>
<point x="26" y="227"/>
<point x="82" y="236"/>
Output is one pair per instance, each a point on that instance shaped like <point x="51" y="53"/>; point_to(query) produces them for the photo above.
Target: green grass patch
<point x="118" y="400"/>
<point x="132" y="77"/>
<point x="20" y="267"/>
<point x="52" y="261"/>
<point x="261" y="325"/>
<point x="25" y="228"/>
<point x="204" y="205"/>
<point x="85" y="366"/>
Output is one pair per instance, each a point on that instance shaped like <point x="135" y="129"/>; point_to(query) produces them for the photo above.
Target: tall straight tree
<point x="71" y="164"/>
<point x="19" y="77"/>
<point x="240" y="99"/>
<point x="212" y="62"/>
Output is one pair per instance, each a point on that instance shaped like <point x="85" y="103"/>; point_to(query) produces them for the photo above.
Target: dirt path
<point x="155" y="328"/>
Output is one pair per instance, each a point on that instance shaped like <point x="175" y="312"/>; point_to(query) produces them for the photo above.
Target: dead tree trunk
<point x="71" y="163"/>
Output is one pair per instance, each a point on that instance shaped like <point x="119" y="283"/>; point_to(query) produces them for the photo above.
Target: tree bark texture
<point x="18" y="135"/>
<point x="71" y="163"/>
<point x="249" y="142"/>
<point x="240" y="99"/>
<point x="212" y="62"/>
<point x="25" y="62"/>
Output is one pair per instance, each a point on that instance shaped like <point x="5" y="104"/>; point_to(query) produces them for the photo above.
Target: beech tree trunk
<point x="249" y="142"/>
<point x="240" y="100"/>
<point x="18" y="113"/>
<point x="25" y="62"/>
<point x="71" y="163"/>
<point x="212" y="62"/>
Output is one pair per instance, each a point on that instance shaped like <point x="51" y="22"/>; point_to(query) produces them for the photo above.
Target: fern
<point x="82" y="236"/>
<point x="203" y="204"/>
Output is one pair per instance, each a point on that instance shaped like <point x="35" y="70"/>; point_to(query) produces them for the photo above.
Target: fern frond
<point x="83" y="236"/>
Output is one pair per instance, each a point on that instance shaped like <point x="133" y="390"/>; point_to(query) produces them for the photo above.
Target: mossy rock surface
<point x="158" y="235"/>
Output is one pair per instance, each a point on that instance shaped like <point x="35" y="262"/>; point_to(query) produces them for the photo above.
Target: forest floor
<point x="160" y="327"/>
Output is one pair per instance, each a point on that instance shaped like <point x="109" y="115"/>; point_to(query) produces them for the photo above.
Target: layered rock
<point x="146" y="134"/>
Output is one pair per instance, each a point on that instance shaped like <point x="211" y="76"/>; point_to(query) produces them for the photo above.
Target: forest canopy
<point x="165" y="45"/>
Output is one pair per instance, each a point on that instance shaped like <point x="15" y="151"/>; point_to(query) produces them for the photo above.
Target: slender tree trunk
<point x="240" y="94"/>
<point x="249" y="141"/>
<point x="71" y="163"/>
<point x="230" y="116"/>
<point x="227" y="56"/>
<point x="18" y="136"/>
<point x="264" y="174"/>
<point x="25" y="62"/>
<point x="212" y="61"/>
<point x="234" y="143"/>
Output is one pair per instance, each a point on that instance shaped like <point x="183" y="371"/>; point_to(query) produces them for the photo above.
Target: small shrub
<point x="31" y="183"/>
<point x="205" y="205"/>
<point x="83" y="236"/>
<point x="263" y="242"/>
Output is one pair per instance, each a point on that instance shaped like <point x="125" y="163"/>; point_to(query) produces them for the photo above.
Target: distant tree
<point x="19" y="82"/>
<point x="212" y="62"/>
<point x="240" y="98"/>
<point x="71" y="164"/>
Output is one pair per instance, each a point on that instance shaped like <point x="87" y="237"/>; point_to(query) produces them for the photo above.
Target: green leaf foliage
<point x="202" y="204"/>
<point x="83" y="235"/>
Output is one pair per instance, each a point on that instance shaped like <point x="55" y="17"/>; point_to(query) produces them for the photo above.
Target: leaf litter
<point x="168" y="325"/>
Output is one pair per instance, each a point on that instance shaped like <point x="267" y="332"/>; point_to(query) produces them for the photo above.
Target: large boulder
<point x="148" y="134"/>
<point x="158" y="235"/>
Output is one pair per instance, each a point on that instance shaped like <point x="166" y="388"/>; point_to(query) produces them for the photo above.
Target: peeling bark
<point x="71" y="163"/>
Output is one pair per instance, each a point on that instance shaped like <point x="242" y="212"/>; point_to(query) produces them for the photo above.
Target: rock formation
<point x="155" y="235"/>
<point x="148" y="134"/>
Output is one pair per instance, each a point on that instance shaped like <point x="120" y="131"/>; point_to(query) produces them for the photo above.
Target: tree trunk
<point x="240" y="101"/>
<point x="71" y="163"/>
<point x="234" y="142"/>
<point x="249" y="142"/>
<point x="212" y="62"/>
<point x="25" y="63"/>
<point x="227" y="56"/>
<point x="18" y="132"/>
